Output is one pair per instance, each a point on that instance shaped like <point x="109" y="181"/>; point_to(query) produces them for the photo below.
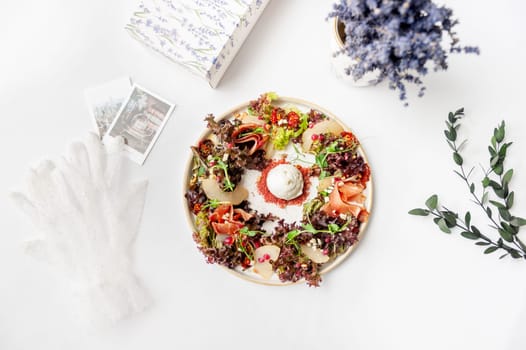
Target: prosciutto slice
<point x="228" y="220"/>
<point x="246" y="133"/>
<point x="347" y="199"/>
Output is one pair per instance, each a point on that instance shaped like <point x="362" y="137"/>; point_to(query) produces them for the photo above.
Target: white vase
<point x="340" y="62"/>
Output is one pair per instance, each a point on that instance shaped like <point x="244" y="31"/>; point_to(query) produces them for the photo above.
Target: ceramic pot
<point x="340" y="61"/>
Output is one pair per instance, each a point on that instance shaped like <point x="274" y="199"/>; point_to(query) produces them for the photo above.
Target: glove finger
<point x="78" y="159"/>
<point x="68" y="184"/>
<point x="132" y="211"/>
<point x="23" y="203"/>
<point x="114" y="147"/>
<point x="41" y="189"/>
<point x="97" y="158"/>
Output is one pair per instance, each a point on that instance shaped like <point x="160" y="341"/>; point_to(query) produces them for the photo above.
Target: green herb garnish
<point x="309" y="228"/>
<point x="211" y="204"/>
<point x="495" y="184"/>
<point x="248" y="232"/>
<point x="229" y="186"/>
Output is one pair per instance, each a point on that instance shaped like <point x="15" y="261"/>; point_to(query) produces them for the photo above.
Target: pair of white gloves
<point x="88" y="215"/>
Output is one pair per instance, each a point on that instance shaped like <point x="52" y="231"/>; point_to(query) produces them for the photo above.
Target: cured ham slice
<point x="226" y="228"/>
<point x="347" y="199"/>
<point x="351" y="192"/>
<point x="227" y="220"/>
<point x="246" y="133"/>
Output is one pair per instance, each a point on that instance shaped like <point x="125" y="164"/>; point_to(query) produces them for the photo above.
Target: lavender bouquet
<point x="397" y="38"/>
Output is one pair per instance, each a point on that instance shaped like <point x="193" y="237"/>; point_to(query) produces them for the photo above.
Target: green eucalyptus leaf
<point x="501" y="193"/>
<point x="472" y="188"/>
<point x="521" y="244"/>
<point x="432" y="202"/>
<point x="499" y="133"/>
<point x="504" y="149"/>
<point x="474" y="229"/>
<point x="515" y="254"/>
<point x="505" y="214"/>
<point x="419" y="212"/>
<point x="495" y="185"/>
<point x="457" y="158"/>
<point x="507" y="176"/>
<point x="493" y="142"/>
<point x="488" y="211"/>
<point x="509" y="200"/>
<point x="510" y="228"/>
<point x="485" y="182"/>
<point x="459" y="112"/>
<point x="467" y="219"/>
<point x="490" y="250"/>
<point x="506" y="235"/>
<point x="498" y="169"/>
<point x="451" y="134"/>
<point x="518" y="222"/>
<point x="482" y="243"/>
<point x="492" y="150"/>
<point x="503" y="256"/>
<point x="470" y="235"/>
<point x="485" y="197"/>
<point x="451" y="218"/>
<point x="451" y="118"/>
<point x="493" y="161"/>
<point x="443" y="225"/>
<point x="497" y="204"/>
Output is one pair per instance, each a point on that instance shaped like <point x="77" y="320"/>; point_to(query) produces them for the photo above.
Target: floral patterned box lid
<point x="202" y="35"/>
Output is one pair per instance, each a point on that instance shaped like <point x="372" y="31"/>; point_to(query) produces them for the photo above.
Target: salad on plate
<point x="278" y="191"/>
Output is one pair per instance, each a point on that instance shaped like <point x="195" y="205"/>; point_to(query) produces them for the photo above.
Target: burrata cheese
<point x="285" y="181"/>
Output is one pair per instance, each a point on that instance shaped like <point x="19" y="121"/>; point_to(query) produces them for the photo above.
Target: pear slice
<point x="213" y="191"/>
<point x="250" y="119"/>
<point x="262" y="266"/>
<point x="315" y="255"/>
<point x="325" y="183"/>
<point x="323" y="127"/>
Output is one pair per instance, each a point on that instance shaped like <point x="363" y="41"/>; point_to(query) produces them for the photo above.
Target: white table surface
<point x="407" y="286"/>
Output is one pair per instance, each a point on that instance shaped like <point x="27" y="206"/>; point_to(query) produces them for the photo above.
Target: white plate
<point x="257" y="202"/>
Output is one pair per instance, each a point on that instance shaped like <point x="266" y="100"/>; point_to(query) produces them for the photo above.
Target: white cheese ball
<point x="285" y="181"/>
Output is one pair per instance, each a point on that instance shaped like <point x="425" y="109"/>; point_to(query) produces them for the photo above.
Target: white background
<point x="407" y="285"/>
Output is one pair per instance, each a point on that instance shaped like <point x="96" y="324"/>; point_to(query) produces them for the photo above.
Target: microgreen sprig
<point x="220" y="164"/>
<point x="309" y="228"/>
<point x="211" y="204"/>
<point x="496" y="178"/>
<point x="248" y="232"/>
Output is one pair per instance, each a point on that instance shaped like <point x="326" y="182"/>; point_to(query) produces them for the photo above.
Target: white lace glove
<point x="88" y="216"/>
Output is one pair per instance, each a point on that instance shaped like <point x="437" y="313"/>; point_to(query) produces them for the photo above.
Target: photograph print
<point x="140" y="121"/>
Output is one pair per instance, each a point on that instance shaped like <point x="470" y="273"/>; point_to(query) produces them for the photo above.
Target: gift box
<point x="201" y="35"/>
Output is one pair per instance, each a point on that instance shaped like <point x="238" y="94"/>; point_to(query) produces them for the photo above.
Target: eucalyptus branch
<point x="496" y="178"/>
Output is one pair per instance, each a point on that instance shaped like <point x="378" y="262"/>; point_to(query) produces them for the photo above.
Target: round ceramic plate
<point x="289" y="213"/>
